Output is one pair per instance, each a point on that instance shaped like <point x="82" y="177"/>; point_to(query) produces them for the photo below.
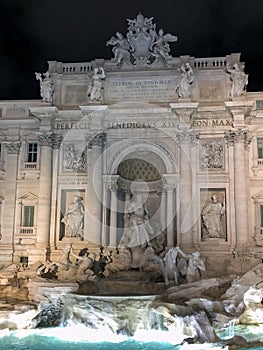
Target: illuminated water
<point x="81" y="338"/>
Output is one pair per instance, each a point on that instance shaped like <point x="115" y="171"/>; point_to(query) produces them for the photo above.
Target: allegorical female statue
<point x="74" y="218"/>
<point x="212" y="216"/>
<point x="239" y="81"/>
<point x="138" y="232"/>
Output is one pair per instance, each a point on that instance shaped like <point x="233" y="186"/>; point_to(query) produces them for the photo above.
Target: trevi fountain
<point x="137" y="216"/>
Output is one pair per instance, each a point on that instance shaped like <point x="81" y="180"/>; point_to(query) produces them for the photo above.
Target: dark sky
<point x="35" y="31"/>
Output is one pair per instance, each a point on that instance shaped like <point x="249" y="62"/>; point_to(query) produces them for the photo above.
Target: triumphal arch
<point x="142" y="148"/>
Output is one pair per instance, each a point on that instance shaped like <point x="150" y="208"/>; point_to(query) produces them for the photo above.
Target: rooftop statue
<point x="96" y="86"/>
<point x="187" y="78"/>
<point x="239" y="80"/>
<point x="47" y="87"/>
<point x="142" y="44"/>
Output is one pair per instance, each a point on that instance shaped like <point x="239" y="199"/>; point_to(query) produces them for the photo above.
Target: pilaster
<point x="186" y="138"/>
<point x="95" y="203"/>
<point x="46" y="117"/>
<point x="239" y="139"/>
<point x="9" y="208"/>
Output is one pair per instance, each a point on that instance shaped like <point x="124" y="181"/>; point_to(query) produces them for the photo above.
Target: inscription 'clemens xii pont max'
<point x="150" y="89"/>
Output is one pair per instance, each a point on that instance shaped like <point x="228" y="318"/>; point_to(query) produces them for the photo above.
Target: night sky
<point x="33" y="32"/>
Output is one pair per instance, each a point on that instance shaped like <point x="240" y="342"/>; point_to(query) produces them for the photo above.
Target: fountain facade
<point x="135" y="177"/>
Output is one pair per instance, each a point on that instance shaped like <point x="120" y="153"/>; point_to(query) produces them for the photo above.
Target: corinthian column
<point x="46" y="116"/>
<point x="57" y="139"/>
<point x="113" y="211"/>
<point x="45" y="182"/>
<point x="96" y="231"/>
<point x="239" y="139"/>
<point x="169" y="187"/>
<point x="185" y="139"/>
<point x="11" y="163"/>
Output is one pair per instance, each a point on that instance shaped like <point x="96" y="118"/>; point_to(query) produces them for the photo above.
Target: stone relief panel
<point x="212" y="154"/>
<point x="213" y="214"/>
<point x="74" y="158"/>
<point x="72" y="213"/>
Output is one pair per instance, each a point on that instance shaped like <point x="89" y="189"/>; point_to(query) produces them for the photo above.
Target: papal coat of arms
<point x="143" y="45"/>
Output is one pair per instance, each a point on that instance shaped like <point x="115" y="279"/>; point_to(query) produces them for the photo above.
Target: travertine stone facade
<point x="113" y="128"/>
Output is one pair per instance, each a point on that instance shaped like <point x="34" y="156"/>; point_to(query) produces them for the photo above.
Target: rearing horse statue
<point x="171" y="267"/>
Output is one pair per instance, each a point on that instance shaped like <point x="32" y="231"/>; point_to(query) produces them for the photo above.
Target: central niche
<point x="140" y="177"/>
<point x="134" y="169"/>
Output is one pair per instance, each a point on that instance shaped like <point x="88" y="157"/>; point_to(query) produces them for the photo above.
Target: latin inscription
<point x="146" y="124"/>
<point x="211" y="122"/>
<point x="142" y="89"/>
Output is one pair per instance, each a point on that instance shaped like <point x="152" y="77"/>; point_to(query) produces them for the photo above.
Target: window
<point x="259" y="104"/>
<point x="28" y="217"/>
<point x="32" y="152"/>
<point x="260" y="147"/>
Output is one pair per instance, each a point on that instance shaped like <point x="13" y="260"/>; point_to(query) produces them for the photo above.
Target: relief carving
<point x="212" y="155"/>
<point x="74" y="159"/>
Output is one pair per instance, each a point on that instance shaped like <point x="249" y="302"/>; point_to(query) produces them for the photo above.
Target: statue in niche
<point x="138" y="232"/>
<point x="47" y="87"/>
<point x="212" y="219"/>
<point x="187" y="78"/>
<point x="212" y="155"/>
<point x="120" y="48"/>
<point x="74" y="218"/>
<point x="95" y="88"/>
<point x="239" y="80"/>
<point x="74" y="159"/>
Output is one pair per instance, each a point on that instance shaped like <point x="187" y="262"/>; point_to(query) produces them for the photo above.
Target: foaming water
<point x="81" y="338"/>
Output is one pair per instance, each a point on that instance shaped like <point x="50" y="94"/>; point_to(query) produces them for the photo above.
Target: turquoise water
<point x="79" y="339"/>
<point x="66" y="339"/>
<point x="82" y="338"/>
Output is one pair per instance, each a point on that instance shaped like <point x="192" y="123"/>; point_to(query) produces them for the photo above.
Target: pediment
<point x="28" y="196"/>
<point x="258" y="196"/>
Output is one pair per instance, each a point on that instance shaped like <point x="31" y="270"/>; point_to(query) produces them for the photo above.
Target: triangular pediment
<point x="258" y="195"/>
<point x="28" y="196"/>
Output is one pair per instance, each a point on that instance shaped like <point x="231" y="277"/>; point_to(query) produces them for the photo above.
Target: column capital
<point x="57" y="139"/>
<point x="170" y="180"/>
<point x="113" y="182"/>
<point x="238" y="136"/>
<point x="169" y="187"/>
<point x="46" y="139"/>
<point x="97" y="140"/>
<point x="12" y="147"/>
<point x="185" y="136"/>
